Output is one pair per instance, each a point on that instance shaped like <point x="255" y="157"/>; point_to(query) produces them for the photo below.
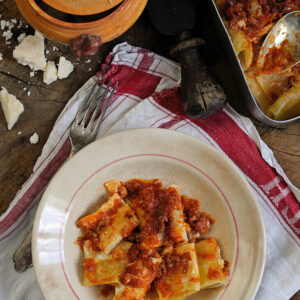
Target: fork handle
<point x="22" y="257"/>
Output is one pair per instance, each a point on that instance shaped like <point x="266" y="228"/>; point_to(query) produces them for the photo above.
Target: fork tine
<point x="100" y="102"/>
<point x="91" y="105"/>
<point x="83" y="103"/>
<point x="99" y="121"/>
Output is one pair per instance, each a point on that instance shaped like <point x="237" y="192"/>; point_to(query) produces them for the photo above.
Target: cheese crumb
<point x="2" y="24"/>
<point x="88" y="61"/>
<point x="32" y="74"/>
<point x="47" y="52"/>
<point x="21" y="37"/>
<point x="11" y="106"/>
<point x="14" y="21"/>
<point x="28" y="93"/>
<point x="34" y="138"/>
<point x="31" y="52"/>
<point x="55" y="48"/>
<point x="10" y="25"/>
<point x="7" y="34"/>
<point x="1" y="56"/>
<point x="19" y="132"/>
<point x="65" y="67"/>
<point x="50" y="73"/>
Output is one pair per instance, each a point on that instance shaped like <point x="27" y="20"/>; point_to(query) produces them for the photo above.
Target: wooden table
<point x="43" y="105"/>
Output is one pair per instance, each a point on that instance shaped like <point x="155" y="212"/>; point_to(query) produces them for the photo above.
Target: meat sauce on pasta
<point x="164" y="247"/>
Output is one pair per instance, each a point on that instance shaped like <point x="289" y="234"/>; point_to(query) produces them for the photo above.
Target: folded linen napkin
<point x="148" y="96"/>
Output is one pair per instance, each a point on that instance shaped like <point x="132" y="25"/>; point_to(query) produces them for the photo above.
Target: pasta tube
<point x="286" y="106"/>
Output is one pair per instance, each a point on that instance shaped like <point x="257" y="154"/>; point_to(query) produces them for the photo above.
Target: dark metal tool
<point x="201" y="94"/>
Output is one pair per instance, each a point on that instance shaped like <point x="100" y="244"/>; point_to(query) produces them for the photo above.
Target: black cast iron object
<point x="201" y="94"/>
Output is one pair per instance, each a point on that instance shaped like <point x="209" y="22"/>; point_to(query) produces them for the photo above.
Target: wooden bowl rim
<point x="65" y="8"/>
<point x="125" y="4"/>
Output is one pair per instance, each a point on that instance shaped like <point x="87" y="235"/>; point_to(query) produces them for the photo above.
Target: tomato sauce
<point x="93" y="224"/>
<point x="213" y="274"/>
<point x="199" y="221"/>
<point x="277" y="59"/>
<point x="173" y="263"/>
<point x="157" y="205"/>
<point x="107" y="290"/>
<point x="90" y="265"/>
<point x="226" y="268"/>
<point x="256" y="18"/>
<point x="143" y="267"/>
<point x="149" y="260"/>
<point x="90" y="269"/>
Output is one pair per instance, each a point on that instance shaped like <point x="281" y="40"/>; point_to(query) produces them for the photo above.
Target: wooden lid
<point x="82" y="7"/>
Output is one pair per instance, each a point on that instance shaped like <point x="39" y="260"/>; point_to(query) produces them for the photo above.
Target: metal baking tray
<point x="239" y="73"/>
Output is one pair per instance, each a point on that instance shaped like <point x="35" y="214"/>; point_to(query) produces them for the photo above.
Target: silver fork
<point x="83" y="131"/>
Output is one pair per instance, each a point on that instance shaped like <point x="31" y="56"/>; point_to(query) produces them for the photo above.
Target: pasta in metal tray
<point x="247" y="23"/>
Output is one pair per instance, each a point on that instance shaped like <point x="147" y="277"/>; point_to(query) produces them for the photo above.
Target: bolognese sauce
<point x="157" y="205"/>
<point x="90" y="227"/>
<point x="155" y="249"/>
<point x="257" y="17"/>
<point x="172" y="262"/>
<point x="199" y="221"/>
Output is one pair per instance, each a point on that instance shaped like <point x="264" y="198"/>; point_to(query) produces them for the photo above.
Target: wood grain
<point x="17" y="155"/>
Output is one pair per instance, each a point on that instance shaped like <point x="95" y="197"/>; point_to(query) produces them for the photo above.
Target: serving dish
<point x="239" y="73"/>
<point x="199" y="170"/>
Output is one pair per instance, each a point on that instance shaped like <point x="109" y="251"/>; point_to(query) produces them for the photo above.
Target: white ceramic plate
<point x="199" y="171"/>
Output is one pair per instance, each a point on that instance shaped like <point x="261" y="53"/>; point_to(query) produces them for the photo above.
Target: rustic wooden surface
<point x="43" y="105"/>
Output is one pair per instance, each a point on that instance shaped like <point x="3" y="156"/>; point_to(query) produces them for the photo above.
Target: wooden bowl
<point x="82" y="7"/>
<point x="65" y="20"/>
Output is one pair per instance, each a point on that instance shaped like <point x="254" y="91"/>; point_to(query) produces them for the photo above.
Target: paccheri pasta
<point x="146" y="238"/>
<point x="248" y="22"/>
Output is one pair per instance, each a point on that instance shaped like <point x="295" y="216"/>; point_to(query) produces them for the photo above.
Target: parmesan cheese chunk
<point x="11" y="106"/>
<point x="50" y="73"/>
<point x="65" y="67"/>
<point x="31" y="52"/>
